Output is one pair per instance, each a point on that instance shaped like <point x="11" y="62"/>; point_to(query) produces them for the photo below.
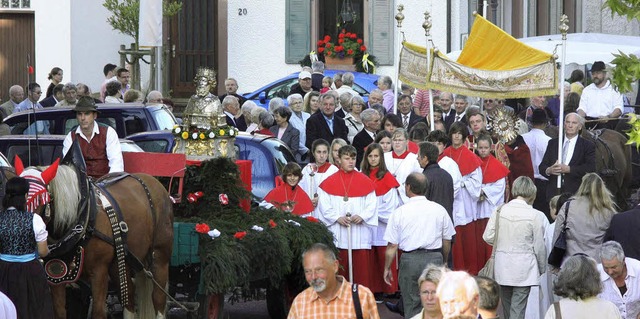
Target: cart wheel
<point x="210" y="306"/>
<point x="279" y="301"/>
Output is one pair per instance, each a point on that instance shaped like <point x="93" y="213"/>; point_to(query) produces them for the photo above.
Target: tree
<point x="627" y="68"/>
<point x="126" y="14"/>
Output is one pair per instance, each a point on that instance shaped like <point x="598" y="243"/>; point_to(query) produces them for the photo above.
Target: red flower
<point x="272" y="224"/>
<point x="349" y="52"/>
<point x="329" y="45"/>
<point x="320" y="43"/>
<point x="340" y="41"/>
<point x="353" y="36"/>
<point x="359" y="41"/>
<point x="320" y="50"/>
<point x="341" y="35"/>
<point x="202" y="228"/>
<point x="240" y="234"/>
<point x="312" y="219"/>
<point x="339" y="48"/>
<point x="363" y="48"/>
<point x="348" y="34"/>
<point x="327" y="38"/>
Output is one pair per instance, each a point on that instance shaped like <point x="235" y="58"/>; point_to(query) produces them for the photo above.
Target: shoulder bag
<point x="488" y="269"/>
<point x="560" y="246"/>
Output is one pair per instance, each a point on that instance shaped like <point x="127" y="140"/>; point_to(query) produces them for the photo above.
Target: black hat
<point x="85" y="104"/>
<point x="598" y="66"/>
<point x="539" y="116"/>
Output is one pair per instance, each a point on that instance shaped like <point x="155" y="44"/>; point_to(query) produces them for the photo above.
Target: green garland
<point x="273" y="254"/>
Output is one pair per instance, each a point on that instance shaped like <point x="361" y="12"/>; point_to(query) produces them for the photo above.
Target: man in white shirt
<point x="347" y="85"/>
<point x="537" y="142"/>
<point x="109" y="75"/>
<point x="620" y="279"/>
<point x="600" y="100"/>
<point x="422" y="229"/>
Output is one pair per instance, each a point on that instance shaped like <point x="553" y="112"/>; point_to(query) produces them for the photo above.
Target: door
<point x="17" y="49"/>
<point x="192" y="44"/>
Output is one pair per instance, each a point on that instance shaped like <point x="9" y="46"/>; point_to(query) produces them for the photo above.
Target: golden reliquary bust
<point x="204" y="109"/>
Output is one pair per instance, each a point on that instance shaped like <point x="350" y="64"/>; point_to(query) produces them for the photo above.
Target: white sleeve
<point x="66" y="144"/>
<point x="328" y="214"/>
<point x="473" y="183"/>
<point x="369" y="212"/>
<point x="39" y="228"/>
<point x="114" y="152"/>
<point x="495" y="191"/>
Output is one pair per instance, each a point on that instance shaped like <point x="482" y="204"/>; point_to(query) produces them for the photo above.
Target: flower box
<point x="344" y="64"/>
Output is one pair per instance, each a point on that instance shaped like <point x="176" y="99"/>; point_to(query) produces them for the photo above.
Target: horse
<point x="146" y="209"/>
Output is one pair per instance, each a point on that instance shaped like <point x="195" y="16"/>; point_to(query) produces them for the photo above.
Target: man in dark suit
<point x="461" y="102"/>
<point x="578" y="158"/>
<point x="440" y="183"/>
<point x="624" y="229"/>
<point x="448" y="112"/>
<point x="325" y="124"/>
<point x="405" y="112"/>
<point x="56" y="97"/>
<point x="371" y="120"/>
<point x="231" y="107"/>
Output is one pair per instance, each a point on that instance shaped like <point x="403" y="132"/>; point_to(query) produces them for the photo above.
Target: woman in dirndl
<point x="23" y="238"/>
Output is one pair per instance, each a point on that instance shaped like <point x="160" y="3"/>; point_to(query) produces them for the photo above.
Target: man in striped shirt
<point x="329" y="295"/>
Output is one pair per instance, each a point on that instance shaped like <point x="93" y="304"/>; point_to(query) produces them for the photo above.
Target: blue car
<point x="364" y="83"/>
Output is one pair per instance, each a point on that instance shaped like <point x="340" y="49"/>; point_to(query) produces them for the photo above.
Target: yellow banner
<point x="413" y="65"/>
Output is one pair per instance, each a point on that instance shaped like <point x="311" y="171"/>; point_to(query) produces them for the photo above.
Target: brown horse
<point x="147" y="210"/>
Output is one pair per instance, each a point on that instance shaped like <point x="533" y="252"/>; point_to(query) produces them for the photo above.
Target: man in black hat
<point x="537" y="141"/>
<point x="600" y="100"/>
<point x="99" y="143"/>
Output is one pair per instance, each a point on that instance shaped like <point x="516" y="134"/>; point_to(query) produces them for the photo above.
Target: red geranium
<point x="359" y="41"/>
<point x="339" y="48"/>
<point x="312" y="219"/>
<point x="340" y="41"/>
<point x="341" y="35"/>
<point x="353" y="36"/>
<point x="349" y="52"/>
<point x="202" y="228"/>
<point x="347" y="45"/>
<point x="327" y="38"/>
<point x="320" y="50"/>
<point x="363" y="48"/>
<point x="272" y="224"/>
<point x="320" y="43"/>
<point x="240" y="234"/>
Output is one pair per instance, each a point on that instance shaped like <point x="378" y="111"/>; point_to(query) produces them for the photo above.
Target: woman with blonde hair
<point x="334" y="158"/>
<point x="588" y="217"/>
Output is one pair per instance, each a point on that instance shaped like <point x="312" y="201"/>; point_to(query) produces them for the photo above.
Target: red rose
<point x="320" y="50"/>
<point x="349" y="52"/>
<point x="202" y="228"/>
<point x="363" y="48"/>
<point x="341" y="35"/>
<point x="359" y="41"/>
<point x="272" y="224"/>
<point x="240" y="234"/>
<point x="327" y="38"/>
<point x="320" y="43"/>
<point x="312" y="219"/>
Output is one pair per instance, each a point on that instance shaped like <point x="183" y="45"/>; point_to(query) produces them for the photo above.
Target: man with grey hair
<point x="317" y="74"/>
<point x="620" y="277"/>
<point x="325" y="124"/>
<point x="337" y="81"/>
<point x="275" y="103"/>
<point x="458" y="294"/>
<point x="371" y="121"/>
<point x="448" y="112"/>
<point x="386" y="86"/>
<point x="375" y="97"/>
<point x="70" y="92"/>
<point x="299" y="121"/>
<point x="423" y="238"/>
<point x="460" y="103"/>
<point x="154" y="97"/>
<point x="347" y="84"/>
<point x="16" y="95"/>
<point x="234" y="117"/>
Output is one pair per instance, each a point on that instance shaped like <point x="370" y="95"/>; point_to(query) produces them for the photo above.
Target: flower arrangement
<point x="348" y="45"/>
<point x="203" y="134"/>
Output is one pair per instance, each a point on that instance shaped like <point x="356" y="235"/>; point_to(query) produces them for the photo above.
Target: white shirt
<point x="114" y="152"/>
<point x="570" y="148"/>
<point x="537" y="142"/>
<point x="300" y="122"/>
<point x="629" y="304"/>
<point x="400" y="169"/>
<point x="7" y="309"/>
<point x="387" y="203"/>
<point x="419" y="224"/>
<point x="345" y="88"/>
<point x="494" y="193"/>
<point x="310" y="183"/>
<point x="597" y="102"/>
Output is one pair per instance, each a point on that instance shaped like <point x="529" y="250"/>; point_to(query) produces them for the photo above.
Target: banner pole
<point x="399" y="17"/>
<point x="427" y="32"/>
<point x="564" y="27"/>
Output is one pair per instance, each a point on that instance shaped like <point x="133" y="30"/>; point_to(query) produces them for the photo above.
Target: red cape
<point x="492" y="170"/>
<point x="401" y="156"/>
<point x="384" y="184"/>
<point x="299" y="199"/>
<point x="466" y="160"/>
<point x="413" y="147"/>
<point x="324" y="167"/>
<point x="352" y="184"/>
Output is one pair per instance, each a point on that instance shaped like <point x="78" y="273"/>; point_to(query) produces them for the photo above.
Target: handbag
<point x="489" y="268"/>
<point x="560" y="246"/>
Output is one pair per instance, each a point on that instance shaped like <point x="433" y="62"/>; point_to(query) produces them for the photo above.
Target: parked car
<point x="125" y="118"/>
<point x="268" y="155"/>
<point x="43" y="151"/>
<point x="364" y="83"/>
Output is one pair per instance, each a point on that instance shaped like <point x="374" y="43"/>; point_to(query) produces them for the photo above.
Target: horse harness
<point x="610" y="168"/>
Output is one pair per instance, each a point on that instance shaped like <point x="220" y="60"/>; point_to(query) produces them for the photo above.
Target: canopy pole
<point x="399" y="17"/>
<point x="485" y="5"/>
<point x="427" y="32"/>
<point x="564" y="27"/>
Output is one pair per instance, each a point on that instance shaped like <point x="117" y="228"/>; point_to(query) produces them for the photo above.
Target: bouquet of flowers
<point x="348" y="45"/>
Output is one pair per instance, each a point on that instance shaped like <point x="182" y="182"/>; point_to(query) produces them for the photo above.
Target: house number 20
<point x="242" y="11"/>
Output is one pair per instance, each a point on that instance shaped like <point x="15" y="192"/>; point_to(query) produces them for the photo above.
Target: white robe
<point x="400" y="169"/>
<point x="332" y="207"/>
<point x="310" y="184"/>
<point x="387" y="203"/>
<point x="465" y="203"/>
<point x="449" y="165"/>
<point x="494" y="193"/>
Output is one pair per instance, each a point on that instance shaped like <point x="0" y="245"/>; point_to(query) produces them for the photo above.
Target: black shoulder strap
<point x="566" y="215"/>
<point x="356" y="301"/>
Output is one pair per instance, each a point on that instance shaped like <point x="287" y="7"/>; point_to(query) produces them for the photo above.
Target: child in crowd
<point x="326" y="84"/>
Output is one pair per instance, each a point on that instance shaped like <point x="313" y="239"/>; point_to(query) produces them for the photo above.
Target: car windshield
<point x="164" y="118"/>
<point x="281" y="154"/>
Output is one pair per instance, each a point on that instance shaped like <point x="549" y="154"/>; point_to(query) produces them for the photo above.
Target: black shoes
<point x="393" y="307"/>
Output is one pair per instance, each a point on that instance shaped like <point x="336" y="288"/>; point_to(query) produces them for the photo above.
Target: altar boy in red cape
<point x="349" y="191"/>
<point x="494" y="183"/>
<point x="288" y="196"/>
<point x="465" y="203"/>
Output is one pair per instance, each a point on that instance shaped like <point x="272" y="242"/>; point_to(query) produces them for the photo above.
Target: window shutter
<point x="298" y="30"/>
<point x="381" y="29"/>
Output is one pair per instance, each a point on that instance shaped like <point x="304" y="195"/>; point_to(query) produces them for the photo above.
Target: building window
<point x="331" y="18"/>
<point x="15" y="4"/>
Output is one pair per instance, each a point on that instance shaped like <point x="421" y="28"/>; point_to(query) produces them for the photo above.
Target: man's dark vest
<point x="16" y="233"/>
<point x="95" y="153"/>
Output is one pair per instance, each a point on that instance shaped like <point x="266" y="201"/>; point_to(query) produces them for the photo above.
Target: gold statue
<point x="204" y="109"/>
